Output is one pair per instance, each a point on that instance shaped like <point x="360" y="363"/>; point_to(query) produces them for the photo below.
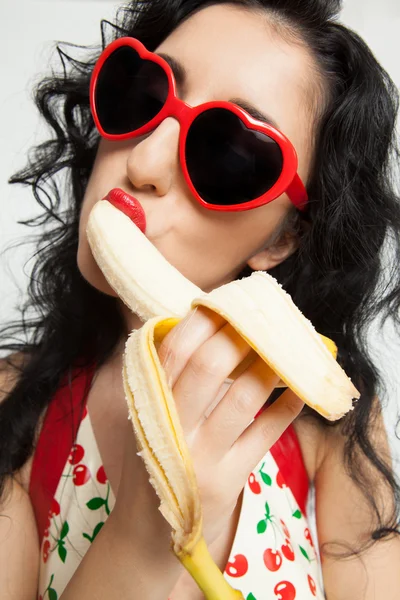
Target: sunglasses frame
<point x="288" y="181"/>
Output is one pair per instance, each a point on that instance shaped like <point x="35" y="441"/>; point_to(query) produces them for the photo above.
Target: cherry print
<point x="280" y="480"/>
<point x="287" y="550"/>
<point x="101" y="475"/>
<point x="253" y="484"/>
<point x="55" y="507"/>
<point x="272" y="560"/>
<point x="263" y="524"/>
<point x="285" y="529"/>
<point x="76" y="455"/>
<point x="81" y="474"/>
<point x="46" y="548"/>
<point x="264" y="476"/>
<point x="238" y="567"/>
<point x="312" y="585"/>
<point x="284" y="590"/>
<point x="308" y="537"/>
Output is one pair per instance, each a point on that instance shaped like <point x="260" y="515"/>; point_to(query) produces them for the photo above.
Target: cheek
<point x="257" y="227"/>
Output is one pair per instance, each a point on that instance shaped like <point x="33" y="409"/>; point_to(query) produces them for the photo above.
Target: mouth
<point x="129" y="205"/>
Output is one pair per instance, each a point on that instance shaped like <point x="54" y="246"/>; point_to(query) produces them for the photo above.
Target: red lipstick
<point x="129" y="205"/>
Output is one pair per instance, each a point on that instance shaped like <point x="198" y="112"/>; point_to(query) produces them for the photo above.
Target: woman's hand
<point x="224" y="440"/>
<point x="198" y="355"/>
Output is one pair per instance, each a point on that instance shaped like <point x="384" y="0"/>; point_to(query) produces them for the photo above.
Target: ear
<point x="275" y="253"/>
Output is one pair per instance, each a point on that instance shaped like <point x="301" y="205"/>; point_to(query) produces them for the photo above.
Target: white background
<point x="28" y="29"/>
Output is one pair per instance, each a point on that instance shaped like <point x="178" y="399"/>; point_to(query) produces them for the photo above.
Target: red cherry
<point x="312" y="585"/>
<point x="55" y="507"/>
<point x="287" y="550"/>
<point x="81" y="474"/>
<point x="272" y="560"/>
<point x="284" y="590"/>
<point x="101" y="475"/>
<point x="76" y="455"/>
<point x="253" y="484"/>
<point x="280" y="480"/>
<point x="308" y="537"/>
<point x="238" y="567"/>
<point x="285" y="529"/>
<point x="46" y="548"/>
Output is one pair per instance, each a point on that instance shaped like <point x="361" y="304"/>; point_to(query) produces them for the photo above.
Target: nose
<point x="154" y="161"/>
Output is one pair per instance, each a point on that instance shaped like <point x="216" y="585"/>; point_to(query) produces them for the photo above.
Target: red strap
<point x="288" y="456"/>
<point x="57" y="436"/>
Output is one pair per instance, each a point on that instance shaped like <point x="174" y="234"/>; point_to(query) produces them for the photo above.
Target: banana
<point x="263" y="314"/>
<point x="126" y="258"/>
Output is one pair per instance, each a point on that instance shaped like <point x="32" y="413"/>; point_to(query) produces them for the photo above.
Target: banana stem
<point x="201" y="566"/>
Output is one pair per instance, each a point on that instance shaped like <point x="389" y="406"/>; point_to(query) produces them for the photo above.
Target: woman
<point x="317" y="83"/>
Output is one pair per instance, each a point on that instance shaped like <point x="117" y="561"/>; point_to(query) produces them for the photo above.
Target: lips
<point x="129" y="205"/>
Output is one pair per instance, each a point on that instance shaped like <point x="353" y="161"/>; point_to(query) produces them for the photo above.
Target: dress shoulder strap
<point x="56" y="438"/>
<point x="289" y="458"/>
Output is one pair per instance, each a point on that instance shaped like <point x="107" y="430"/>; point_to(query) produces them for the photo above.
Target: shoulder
<point x="346" y="518"/>
<point x="19" y="548"/>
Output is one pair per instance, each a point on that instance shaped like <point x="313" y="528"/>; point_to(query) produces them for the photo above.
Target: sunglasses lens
<point x="130" y="91"/>
<point x="229" y="163"/>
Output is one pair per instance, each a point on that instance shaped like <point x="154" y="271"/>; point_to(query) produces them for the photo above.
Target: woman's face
<point x="227" y="53"/>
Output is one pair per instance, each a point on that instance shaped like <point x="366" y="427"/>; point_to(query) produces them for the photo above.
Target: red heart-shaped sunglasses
<point x="230" y="160"/>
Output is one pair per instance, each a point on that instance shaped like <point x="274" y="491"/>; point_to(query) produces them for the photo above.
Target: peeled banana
<point x="263" y="314"/>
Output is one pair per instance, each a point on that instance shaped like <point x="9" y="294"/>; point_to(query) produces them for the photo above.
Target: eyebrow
<point x="180" y="75"/>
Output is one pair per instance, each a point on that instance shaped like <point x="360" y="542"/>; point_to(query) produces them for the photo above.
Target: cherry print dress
<point x="272" y="556"/>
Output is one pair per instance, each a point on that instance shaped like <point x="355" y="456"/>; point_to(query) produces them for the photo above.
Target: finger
<point x="238" y="407"/>
<point x="204" y="374"/>
<point x="262" y="434"/>
<point x="184" y="339"/>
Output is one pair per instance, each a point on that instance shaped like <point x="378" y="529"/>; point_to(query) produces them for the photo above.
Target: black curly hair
<point x="333" y="276"/>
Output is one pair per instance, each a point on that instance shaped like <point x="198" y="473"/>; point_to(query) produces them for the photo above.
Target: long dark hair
<point x="333" y="277"/>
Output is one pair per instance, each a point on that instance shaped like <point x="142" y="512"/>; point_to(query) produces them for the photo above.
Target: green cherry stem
<point x="107" y="509"/>
<point x="48" y="587"/>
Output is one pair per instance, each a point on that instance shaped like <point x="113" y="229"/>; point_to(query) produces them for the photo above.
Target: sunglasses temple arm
<point x="297" y="193"/>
